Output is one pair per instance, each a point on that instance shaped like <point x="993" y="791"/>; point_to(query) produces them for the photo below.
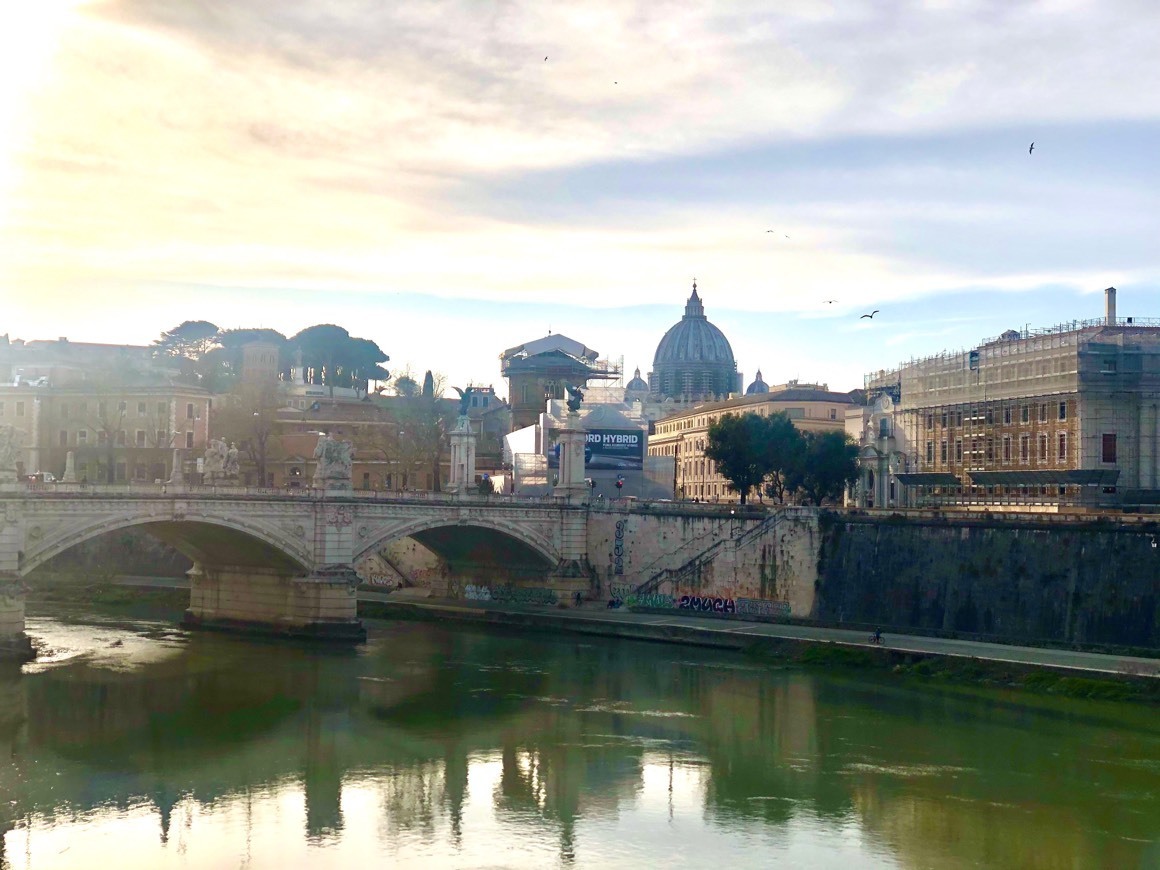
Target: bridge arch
<point x="453" y="539"/>
<point x="204" y="537"/>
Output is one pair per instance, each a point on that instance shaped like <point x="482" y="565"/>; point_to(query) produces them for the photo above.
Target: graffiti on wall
<point x="707" y="604"/>
<point x="618" y="549"/>
<point x="763" y="607"/>
<point x="510" y="594"/>
<point x="627" y="597"/>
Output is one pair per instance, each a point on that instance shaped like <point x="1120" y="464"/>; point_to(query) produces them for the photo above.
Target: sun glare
<point x="29" y="36"/>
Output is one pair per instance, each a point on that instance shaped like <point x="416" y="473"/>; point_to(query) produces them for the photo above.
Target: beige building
<point x="1067" y="415"/>
<point x="811" y="407"/>
<point x="111" y="406"/>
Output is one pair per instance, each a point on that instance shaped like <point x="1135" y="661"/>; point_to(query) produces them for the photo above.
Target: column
<point x="462" y="458"/>
<point x="571" y="483"/>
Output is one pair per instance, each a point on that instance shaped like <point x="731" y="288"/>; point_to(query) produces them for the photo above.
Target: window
<point x="140" y="409"/>
<point x="82" y="437"/>
<point x="833" y="413"/>
<point x="990" y="416"/>
<point x="1043" y="413"/>
<point x="102" y="437"/>
<point x="959" y="451"/>
<point x="140" y="438"/>
<point x="1108" y="452"/>
<point x="120" y="437"/>
<point x="162" y="438"/>
<point x="990" y="449"/>
<point x="1007" y="416"/>
<point x="959" y="419"/>
<point x="1061" y="447"/>
<point x="121" y="407"/>
<point x="64" y="438"/>
<point x="945" y="419"/>
<point x="1006" y="448"/>
<point x="942" y="452"/>
<point x="930" y="421"/>
<point x="1043" y="457"/>
<point x="1024" y="413"/>
<point x="188" y="439"/>
<point x="1024" y="448"/>
<point x="121" y="472"/>
<point x="1063" y="410"/>
<point x="162" y="410"/>
<point x="1109" y="366"/>
<point x="19" y="409"/>
<point x="930" y="453"/>
<point x="102" y="409"/>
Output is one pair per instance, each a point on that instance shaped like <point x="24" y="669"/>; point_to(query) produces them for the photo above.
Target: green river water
<point x="131" y="744"/>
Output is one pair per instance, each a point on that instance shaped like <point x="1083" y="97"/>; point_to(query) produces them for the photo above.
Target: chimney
<point x="1110" y="305"/>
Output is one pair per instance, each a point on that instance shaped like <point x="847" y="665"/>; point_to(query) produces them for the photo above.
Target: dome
<point x="636" y="385"/>
<point x="693" y="339"/>
<point x="758" y="386"/>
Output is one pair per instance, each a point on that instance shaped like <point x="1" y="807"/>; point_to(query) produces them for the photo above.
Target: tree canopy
<point x="192" y="340"/>
<point x="332" y="356"/>
<point x="750" y="450"/>
<point x="828" y="464"/>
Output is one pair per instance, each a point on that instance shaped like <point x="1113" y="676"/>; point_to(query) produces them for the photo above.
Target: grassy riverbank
<point x="104" y="593"/>
<point x="961" y="671"/>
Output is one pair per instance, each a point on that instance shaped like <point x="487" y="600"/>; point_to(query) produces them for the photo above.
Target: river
<point x="132" y="744"/>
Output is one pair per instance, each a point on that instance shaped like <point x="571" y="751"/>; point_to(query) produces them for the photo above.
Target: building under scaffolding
<point x="1066" y="415"/>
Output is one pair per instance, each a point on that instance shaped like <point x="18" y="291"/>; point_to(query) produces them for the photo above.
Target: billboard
<point x="614" y="449"/>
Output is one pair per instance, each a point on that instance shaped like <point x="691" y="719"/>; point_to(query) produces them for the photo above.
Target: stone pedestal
<point x="177" y="475"/>
<point x="322" y="606"/>
<point x="462" y="458"/>
<point x="14" y="643"/>
<point x="70" y="468"/>
<point x="571" y="475"/>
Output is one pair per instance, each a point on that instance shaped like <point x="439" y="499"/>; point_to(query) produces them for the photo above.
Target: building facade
<point x="1068" y="415"/>
<point x="118" y="412"/>
<point x="682" y="436"/>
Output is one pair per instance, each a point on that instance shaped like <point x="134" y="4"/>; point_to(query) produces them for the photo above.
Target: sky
<point x="453" y="178"/>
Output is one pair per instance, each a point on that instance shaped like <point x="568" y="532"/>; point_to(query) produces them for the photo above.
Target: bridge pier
<point x="14" y="643"/>
<point x="320" y="606"/>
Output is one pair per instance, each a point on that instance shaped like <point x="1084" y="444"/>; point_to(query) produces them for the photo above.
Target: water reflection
<point x="142" y="748"/>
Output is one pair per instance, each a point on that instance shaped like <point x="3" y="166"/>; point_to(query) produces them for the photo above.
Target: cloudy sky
<point x="419" y="173"/>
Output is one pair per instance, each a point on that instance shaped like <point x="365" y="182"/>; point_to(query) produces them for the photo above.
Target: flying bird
<point x="829" y="301"/>
<point x="769" y="231"/>
<point x="869" y="316"/>
<point x="545" y="57"/>
<point x="1032" y="148"/>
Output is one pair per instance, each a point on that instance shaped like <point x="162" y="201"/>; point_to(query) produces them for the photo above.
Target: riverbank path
<point x="730" y="633"/>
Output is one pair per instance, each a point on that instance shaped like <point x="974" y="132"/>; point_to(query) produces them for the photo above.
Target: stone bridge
<point x="283" y="560"/>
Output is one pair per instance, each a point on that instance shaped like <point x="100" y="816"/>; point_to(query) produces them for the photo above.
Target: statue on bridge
<point x="334" y="463"/>
<point x="214" y="463"/>
<point x="232" y="467"/>
<point x="11" y="443"/>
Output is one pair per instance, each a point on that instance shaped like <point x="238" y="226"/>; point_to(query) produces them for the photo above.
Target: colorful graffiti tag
<point x="618" y="549"/>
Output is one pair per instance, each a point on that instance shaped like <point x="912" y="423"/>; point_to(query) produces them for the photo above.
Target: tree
<point x="750" y="448"/>
<point x="248" y="416"/>
<point x="829" y="464"/>
<point x="192" y="340"/>
<point x="333" y="357"/>
<point x="735" y="445"/>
